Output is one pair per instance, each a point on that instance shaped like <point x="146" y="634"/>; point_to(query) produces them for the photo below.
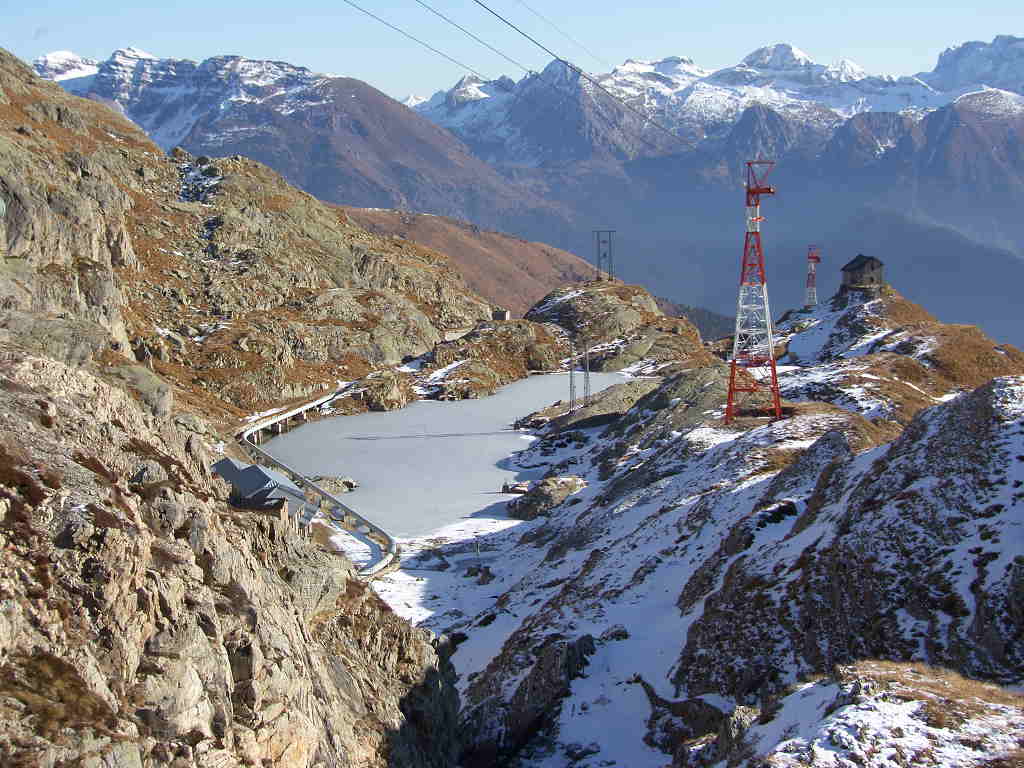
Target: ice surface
<point x="429" y="464"/>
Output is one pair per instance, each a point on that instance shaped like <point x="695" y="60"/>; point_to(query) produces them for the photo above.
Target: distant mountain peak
<point x="999" y="64"/>
<point x="780" y="56"/>
<point x="558" y="71"/>
<point x="64" y="65"/>
<point x="846" y="71"/>
<point x="131" y="52"/>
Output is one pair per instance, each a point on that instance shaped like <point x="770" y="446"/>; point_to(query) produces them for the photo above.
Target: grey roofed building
<point x="863" y="272"/>
<point x="860" y="262"/>
<point x="256" y="487"/>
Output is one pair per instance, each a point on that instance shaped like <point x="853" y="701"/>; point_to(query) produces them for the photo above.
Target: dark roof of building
<point x="248" y="480"/>
<point x="860" y="262"/>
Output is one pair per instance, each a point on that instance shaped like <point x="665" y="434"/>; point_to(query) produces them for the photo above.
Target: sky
<point x="330" y="36"/>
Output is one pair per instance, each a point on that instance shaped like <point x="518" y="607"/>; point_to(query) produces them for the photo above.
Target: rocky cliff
<point x="146" y="302"/>
<point x="147" y="623"/>
<point x="234" y="287"/>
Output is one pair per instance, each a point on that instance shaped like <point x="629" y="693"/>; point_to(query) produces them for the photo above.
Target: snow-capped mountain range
<point x="698" y="104"/>
<point x="168" y="97"/>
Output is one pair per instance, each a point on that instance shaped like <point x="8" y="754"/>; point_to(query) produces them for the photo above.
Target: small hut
<point x="260" y="488"/>
<point x="500" y="313"/>
<point x="863" y="272"/>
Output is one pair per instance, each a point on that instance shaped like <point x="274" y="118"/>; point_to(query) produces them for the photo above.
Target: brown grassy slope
<point x="507" y="271"/>
<point x="268" y="294"/>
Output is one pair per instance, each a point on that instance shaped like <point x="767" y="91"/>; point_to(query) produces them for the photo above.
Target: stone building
<point x="863" y="272"/>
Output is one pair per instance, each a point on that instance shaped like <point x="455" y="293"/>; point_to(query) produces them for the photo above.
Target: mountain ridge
<point x="552" y="164"/>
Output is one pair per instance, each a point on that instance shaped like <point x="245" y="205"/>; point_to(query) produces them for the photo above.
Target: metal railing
<point x="390" y="548"/>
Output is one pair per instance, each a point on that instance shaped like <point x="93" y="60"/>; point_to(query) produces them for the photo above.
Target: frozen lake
<point x="431" y="463"/>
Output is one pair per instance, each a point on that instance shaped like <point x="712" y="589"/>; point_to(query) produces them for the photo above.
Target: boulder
<point x="543" y="497"/>
<point x="386" y="391"/>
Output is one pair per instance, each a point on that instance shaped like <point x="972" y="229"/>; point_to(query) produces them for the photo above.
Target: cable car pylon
<point x="753" y="348"/>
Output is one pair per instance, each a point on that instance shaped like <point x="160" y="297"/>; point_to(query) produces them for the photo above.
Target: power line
<point x="482" y="42"/>
<point x="522" y="66"/>
<point x="564" y="34"/>
<point x="581" y="73"/>
<point x="540" y="76"/>
<point x="456" y="62"/>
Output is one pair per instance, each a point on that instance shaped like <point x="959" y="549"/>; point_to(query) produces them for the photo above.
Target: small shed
<point x="256" y="487"/>
<point x="498" y="313"/>
<point x="863" y="272"/>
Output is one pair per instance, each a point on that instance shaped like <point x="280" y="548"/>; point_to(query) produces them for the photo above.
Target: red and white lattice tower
<point x="753" y="347"/>
<point x="813" y="260"/>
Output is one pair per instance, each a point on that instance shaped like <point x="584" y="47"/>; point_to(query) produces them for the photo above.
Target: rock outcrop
<point x="623" y="326"/>
<point x="545" y="495"/>
<point x="493" y="354"/>
<point x="146" y="623"/>
<point x="146" y="302"/>
<point x="233" y="286"/>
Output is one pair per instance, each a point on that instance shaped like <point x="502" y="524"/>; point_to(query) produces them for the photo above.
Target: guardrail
<point x="243" y="435"/>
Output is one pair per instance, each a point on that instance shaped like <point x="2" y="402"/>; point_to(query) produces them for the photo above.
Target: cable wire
<point x="539" y="75"/>
<point x="482" y="42"/>
<point x="563" y="33"/>
<point x="456" y="62"/>
<point x="581" y="73"/>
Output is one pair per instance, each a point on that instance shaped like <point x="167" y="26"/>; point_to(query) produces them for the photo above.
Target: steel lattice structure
<point x="603" y="260"/>
<point x="813" y="260"/>
<point x="753" y="345"/>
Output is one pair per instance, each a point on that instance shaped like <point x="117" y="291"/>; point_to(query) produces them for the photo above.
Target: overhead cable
<point x="540" y="76"/>
<point x="456" y="62"/>
<point x="563" y="33"/>
<point x="581" y="73"/>
<point x="482" y="42"/>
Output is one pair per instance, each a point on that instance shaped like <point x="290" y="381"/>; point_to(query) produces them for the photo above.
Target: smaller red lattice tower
<point x="753" y="347"/>
<point x="813" y="260"/>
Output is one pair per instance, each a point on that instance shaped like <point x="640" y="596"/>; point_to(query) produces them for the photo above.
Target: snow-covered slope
<point x="698" y="104"/>
<point x="689" y="599"/>
<point x="884" y="357"/>
<point x="65" y="65"/>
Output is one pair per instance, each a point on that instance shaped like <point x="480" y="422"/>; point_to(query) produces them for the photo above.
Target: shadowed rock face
<point x="149" y="624"/>
<point x="144" y="622"/>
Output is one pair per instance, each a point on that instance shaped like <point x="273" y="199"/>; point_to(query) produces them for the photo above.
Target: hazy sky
<point x="333" y="37"/>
